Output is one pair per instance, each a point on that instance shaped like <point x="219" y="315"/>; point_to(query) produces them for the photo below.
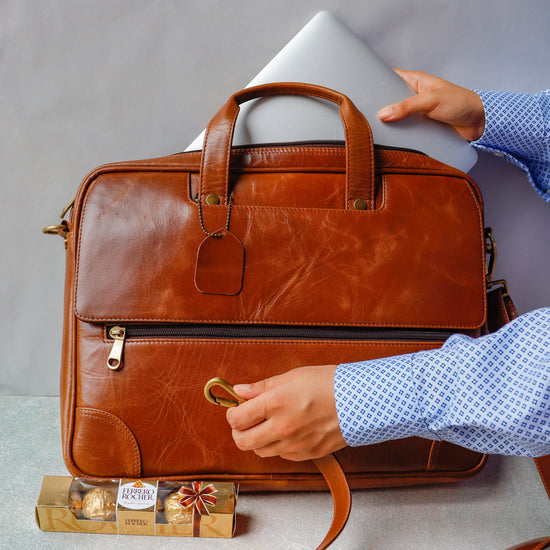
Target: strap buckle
<point x="502" y="282"/>
<point x="61" y="229"/>
<point x="223" y="401"/>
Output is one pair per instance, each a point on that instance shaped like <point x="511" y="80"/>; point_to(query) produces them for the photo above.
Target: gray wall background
<point x="83" y="83"/>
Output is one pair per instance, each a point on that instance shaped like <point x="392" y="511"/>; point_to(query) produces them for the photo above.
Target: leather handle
<point x="341" y="496"/>
<point x="216" y="152"/>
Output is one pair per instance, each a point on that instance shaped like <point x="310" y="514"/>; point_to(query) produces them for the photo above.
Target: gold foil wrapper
<point x="99" y="504"/>
<point x="174" y="512"/>
<point x="160" y="505"/>
<point x="75" y="501"/>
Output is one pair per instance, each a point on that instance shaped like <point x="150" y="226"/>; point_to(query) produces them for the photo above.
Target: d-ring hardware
<point x="53" y="229"/>
<point x="221" y="400"/>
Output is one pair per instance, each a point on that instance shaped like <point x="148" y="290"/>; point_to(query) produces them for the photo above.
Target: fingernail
<point x="241" y="387"/>
<point x="386" y="113"/>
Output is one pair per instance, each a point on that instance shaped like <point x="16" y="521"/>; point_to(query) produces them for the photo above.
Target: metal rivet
<point x="212" y="199"/>
<point x="360" y="204"/>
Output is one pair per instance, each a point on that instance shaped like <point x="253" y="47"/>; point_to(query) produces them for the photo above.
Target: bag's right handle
<point x="216" y="152"/>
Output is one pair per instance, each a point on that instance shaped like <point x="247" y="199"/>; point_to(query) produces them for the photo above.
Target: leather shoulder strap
<point x="535" y="544"/>
<point x="543" y="466"/>
<point x="328" y="466"/>
<point x="341" y="496"/>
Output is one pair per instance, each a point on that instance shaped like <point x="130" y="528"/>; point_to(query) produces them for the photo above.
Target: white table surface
<point x="502" y="506"/>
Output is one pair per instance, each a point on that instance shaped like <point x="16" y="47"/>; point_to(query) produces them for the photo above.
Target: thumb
<point x="248" y="391"/>
<point x="415" y="79"/>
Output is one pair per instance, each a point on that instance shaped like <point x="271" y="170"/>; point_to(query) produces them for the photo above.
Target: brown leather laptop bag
<point x="247" y="262"/>
<point x="330" y="253"/>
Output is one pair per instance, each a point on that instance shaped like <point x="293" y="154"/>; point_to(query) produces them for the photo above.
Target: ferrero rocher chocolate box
<point x="137" y="507"/>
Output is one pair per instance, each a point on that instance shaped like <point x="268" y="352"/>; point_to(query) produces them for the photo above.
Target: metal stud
<point x="212" y="199"/>
<point x="360" y="204"/>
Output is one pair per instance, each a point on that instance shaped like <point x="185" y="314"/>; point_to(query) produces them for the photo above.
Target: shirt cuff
<point x="513" y="123"/>
<point x="376" y="401"/>
<point x="515" y="129"/>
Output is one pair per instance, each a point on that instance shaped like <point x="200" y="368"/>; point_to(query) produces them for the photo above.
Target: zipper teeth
<point x="314" y="143"/>
<point x="282" y="332"/>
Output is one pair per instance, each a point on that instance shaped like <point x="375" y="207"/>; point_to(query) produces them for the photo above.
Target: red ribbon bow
<point x="198" y="496"/>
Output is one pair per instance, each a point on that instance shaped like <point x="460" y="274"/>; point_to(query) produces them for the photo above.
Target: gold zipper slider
<point x="118" y="334"/>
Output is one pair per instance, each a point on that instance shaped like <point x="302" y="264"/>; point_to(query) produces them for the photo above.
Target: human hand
<point x="440" y="100"/>
<point x="292" y="415"/>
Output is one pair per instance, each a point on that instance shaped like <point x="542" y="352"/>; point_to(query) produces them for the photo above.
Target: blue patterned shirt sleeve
<point x="517" y="127"/>
<point x="490" y="394"/>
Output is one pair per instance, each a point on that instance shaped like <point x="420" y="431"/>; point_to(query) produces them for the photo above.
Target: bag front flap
<point x="417" y="260"/>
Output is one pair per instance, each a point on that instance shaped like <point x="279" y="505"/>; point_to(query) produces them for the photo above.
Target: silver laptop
<point x="327" y="53"/>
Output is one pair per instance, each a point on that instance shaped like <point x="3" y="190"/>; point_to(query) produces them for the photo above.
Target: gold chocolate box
<point x="137" y="507"/>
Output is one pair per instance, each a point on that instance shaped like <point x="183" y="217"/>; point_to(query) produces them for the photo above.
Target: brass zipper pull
<point x="118" y="334"/>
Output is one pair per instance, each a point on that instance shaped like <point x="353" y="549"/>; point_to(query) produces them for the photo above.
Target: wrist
<point x="478" y="113"/>
<point x="474" y="118"/>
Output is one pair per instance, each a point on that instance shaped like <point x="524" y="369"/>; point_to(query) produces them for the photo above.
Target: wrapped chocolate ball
<point x="99" y="504"/>
<point x="159" y="505"/>
<point x="75" y="502"/>
<point x="174" y="512"/>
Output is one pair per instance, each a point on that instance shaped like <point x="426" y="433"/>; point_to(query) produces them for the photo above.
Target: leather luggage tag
<point x="220" y="264"/>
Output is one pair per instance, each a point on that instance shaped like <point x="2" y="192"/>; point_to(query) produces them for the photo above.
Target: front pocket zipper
<point x="120" y="335"/>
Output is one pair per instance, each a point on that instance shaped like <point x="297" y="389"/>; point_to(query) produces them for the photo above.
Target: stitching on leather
<point x="194" y="341"/>
<point x="270" y="321"/>
<point x="67" y="438"/>
<point x="482" y="248"/>
<point x="228" y="156"/>
<point x="201" y="172"/>
<point x="122" y="428"/>
<point x="373" y="169"/>
<point x="432" y="455"/>
<point x="348" y="160"/>
<point x="297" y="208"/>
<point x="384" y="203"/>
